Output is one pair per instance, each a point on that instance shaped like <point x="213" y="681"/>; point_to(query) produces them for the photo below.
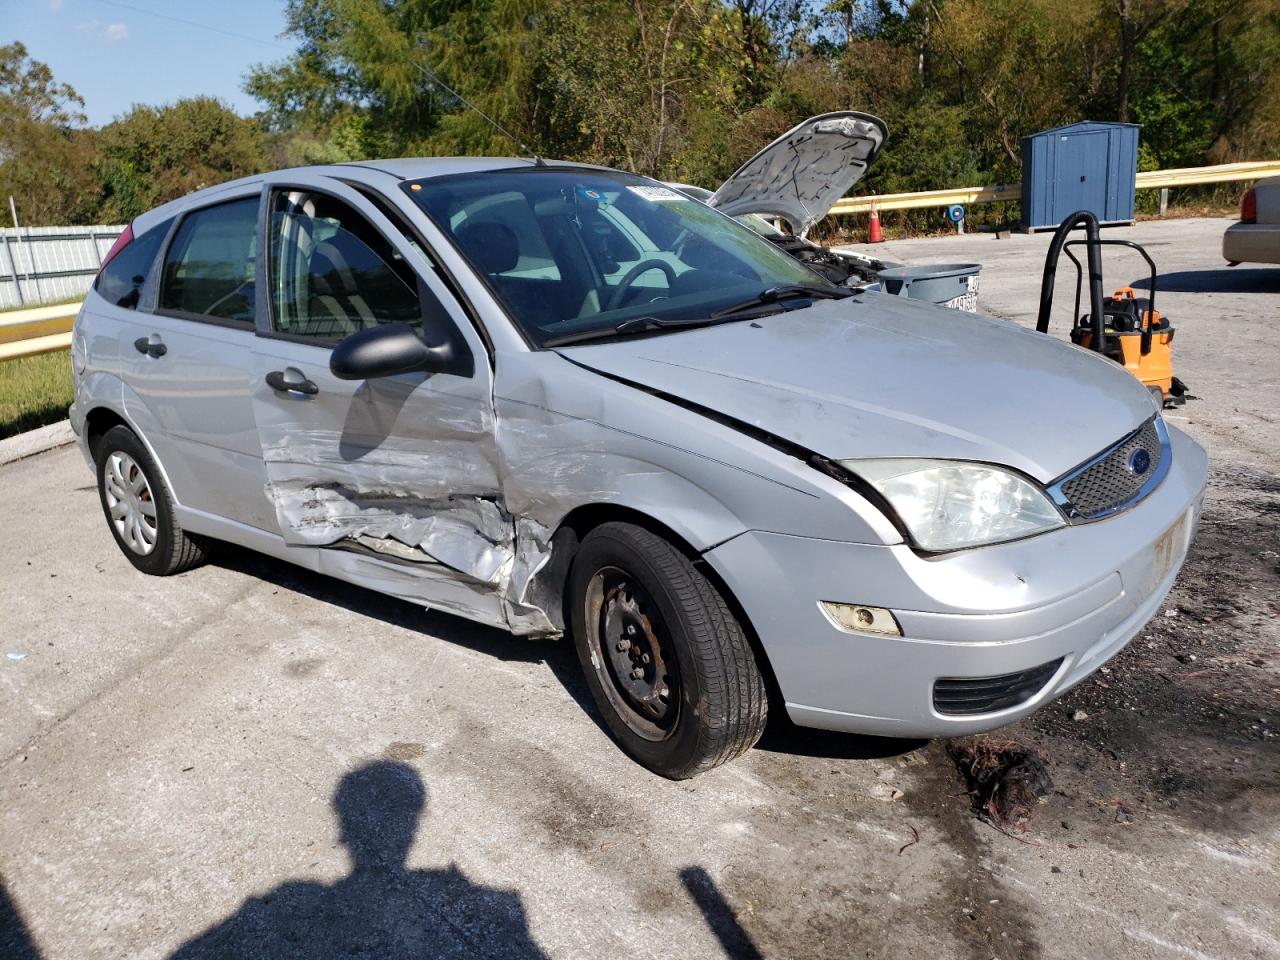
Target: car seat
<point x="336" y="305"/>
<point x="493" y="247"/>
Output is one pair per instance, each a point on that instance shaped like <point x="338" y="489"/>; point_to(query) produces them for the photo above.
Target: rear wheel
<point x="667" y="662"/>
<point x="139" y="507"/>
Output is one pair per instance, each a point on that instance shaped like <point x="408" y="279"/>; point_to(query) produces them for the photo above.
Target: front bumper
<point x="1080" y="594"/>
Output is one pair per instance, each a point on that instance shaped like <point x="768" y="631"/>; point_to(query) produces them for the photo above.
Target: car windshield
<point x="572" y="252"/>
<point x="752" y="221"/>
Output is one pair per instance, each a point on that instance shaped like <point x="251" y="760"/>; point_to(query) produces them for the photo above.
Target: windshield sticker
<point x="655" y="193"/>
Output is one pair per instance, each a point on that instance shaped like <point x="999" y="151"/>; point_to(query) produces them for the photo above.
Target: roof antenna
<point x="435" y="80"/>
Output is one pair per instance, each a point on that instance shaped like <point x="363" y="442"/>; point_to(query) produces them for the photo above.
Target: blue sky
<point x="120" y="52"/>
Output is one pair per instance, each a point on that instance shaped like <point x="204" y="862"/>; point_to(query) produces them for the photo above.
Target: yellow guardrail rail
<point x="1147" y="180"/>
<point x="1222" y="173"/>
<point x="927" y="198"/>
<point x="25" y="333"/>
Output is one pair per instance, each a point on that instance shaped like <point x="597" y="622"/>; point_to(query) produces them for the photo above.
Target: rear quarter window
<point x="125" y="280"/>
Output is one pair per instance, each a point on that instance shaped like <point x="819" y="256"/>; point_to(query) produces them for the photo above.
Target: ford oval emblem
<point x="1139" y="462"/>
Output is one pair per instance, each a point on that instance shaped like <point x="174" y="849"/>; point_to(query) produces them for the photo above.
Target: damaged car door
<point x="394" y="478"/>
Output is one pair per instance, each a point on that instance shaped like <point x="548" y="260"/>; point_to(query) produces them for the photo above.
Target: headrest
<point x="491" y="246"/>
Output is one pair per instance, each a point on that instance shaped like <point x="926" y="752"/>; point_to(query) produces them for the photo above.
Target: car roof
<point x="417" y="168"/>
<point x="366" y="171"/>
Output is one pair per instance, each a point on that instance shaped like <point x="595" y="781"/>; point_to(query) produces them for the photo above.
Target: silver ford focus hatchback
<point x="561" y="399"/>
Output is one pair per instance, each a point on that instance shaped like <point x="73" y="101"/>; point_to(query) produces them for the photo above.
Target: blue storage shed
<point x="1082" y="166"/>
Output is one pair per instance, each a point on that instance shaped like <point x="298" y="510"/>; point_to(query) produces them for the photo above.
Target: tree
<point x="641" y="106"/>
<point x="1134" y="20"/>
<point x="28" y="91"/>
<point x="45" y="158"/>
<point x="1019" y="66"/>
<point x="374" y="59"/>
<point x="155" y="154"/>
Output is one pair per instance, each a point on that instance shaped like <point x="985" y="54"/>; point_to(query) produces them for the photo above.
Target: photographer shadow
<point x="381" y="909"/>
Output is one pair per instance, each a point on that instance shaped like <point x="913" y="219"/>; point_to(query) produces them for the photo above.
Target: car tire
<point x="139" y="507"/>
<point x="645" y="620"/>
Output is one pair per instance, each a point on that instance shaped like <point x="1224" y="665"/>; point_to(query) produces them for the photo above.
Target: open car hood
<point x="801" y="175"/>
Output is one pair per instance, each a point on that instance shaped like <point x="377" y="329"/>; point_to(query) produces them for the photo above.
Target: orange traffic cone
<point x="874" y="234"/>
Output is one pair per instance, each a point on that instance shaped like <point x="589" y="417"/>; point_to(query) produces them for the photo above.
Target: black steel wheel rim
<point x="632" y="653"/>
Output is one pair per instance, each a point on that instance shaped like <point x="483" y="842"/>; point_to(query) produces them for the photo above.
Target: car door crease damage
<point x="377" y="494"/>
<point x="482" y="522"/>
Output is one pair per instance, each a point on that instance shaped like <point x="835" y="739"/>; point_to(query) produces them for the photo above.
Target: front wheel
<point x="667" y="662"/>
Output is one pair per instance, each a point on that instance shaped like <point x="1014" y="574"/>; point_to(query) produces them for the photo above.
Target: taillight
<point x="122" y="241"/>
<point x="1249" y="207"/>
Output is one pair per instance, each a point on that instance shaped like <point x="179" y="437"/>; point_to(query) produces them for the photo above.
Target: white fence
<point x="44" y="264"/>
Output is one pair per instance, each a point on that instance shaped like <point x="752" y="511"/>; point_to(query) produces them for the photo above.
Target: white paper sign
<point x="655" y="193"/>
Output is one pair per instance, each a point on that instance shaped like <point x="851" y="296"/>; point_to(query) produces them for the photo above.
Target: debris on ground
<point x="1174" y="728"/>
<point x="1124" y="811"/>
<point x="1006" y="780"/>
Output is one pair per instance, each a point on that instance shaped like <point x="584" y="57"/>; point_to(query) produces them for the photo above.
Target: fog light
<point x="857" y="618"/>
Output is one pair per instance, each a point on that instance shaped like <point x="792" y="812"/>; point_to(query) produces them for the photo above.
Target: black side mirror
<point x="392" y="348"/>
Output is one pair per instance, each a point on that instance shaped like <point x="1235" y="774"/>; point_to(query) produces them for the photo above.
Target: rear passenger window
<point x="209" y="269"/>
<point x="123" y="281"/>
<point x="332" y="273"/>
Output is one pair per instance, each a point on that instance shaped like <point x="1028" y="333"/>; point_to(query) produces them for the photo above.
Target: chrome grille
<point x="1111" y="481"/>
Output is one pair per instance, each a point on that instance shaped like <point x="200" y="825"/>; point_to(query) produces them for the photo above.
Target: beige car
<point x="1256" y="238"/>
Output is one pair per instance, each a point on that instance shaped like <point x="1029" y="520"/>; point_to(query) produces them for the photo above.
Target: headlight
<point x="947" y="505"/>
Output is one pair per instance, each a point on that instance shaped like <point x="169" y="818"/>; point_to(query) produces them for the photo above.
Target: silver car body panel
<point x="1079" y="593"/>
<point x="883" y="376"/>
<point x="801" y="175"/>
<point x="455" y="492"/>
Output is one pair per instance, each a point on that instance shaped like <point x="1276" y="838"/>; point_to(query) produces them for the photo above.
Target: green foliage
<point x="370" y="59"/>
<point x="155" y="154"/>
<point x="674" y="71"/>
<point x="688" y="89"/>
<point x="60" y="173"/>
<point x="28" y="91"/>
<point x="928" y="146"/>
<point x="45" y="162"/>
<point x="679" y="89"/>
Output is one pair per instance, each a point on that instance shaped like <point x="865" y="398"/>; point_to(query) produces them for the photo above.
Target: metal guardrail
<point x="1222" y="173"/>
<point x="1147" y="180"/>
<point x="26" y="333"/>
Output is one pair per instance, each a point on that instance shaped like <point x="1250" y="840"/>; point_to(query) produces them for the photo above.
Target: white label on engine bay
<point x="655" y="193"/>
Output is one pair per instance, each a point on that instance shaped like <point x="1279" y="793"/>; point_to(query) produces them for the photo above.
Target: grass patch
<point x="34" y="391"/>
<point x="46" y="303"/>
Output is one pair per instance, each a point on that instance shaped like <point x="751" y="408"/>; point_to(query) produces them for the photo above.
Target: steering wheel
<point x="223" y="299"/>
<point x="630" y="277"/>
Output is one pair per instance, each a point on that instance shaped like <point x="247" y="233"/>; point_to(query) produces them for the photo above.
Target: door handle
<point x="152" y="346"/>
<point x="294" y="383"/>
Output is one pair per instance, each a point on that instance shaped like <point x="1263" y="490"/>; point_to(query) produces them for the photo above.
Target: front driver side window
<point x="332" y="273"/>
